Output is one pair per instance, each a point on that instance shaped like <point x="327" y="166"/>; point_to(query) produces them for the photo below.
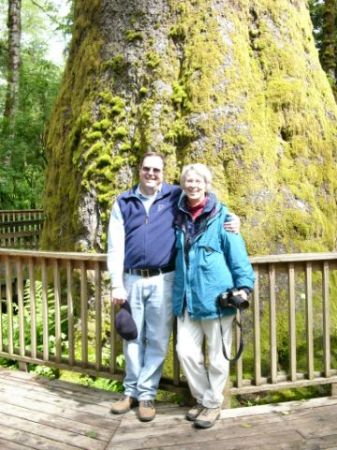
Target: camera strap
<point x="240" y="349"/>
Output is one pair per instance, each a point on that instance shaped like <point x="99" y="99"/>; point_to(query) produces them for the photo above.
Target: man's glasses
<point x="148" y="169"/>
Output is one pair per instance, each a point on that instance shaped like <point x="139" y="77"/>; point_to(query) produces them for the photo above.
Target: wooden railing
<point x="293" y="333"/>
<point x="20" y="228"/>
<point x="56" y="311"/>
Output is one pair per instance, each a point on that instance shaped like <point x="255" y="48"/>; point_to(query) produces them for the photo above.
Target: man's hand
<point x="233" y="225"/>
<point x="119" y="296"/>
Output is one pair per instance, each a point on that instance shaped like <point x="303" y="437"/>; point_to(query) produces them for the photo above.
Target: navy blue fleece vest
<point x="149" y="239"/>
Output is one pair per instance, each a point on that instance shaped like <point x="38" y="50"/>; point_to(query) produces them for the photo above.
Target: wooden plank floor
<point x="36" y="413"/>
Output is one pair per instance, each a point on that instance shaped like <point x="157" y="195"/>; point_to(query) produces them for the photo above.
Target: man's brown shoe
<point x="146" y="411"/>
<point x="124" y="405"/>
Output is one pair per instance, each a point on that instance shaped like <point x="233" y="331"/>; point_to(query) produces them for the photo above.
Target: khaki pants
<point x="206" y="383"/>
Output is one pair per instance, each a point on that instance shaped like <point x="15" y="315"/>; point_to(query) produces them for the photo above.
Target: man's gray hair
<point x="200" y="169"/>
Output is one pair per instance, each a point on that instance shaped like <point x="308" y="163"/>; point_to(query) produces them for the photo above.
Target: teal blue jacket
<point x="209" y="263"/>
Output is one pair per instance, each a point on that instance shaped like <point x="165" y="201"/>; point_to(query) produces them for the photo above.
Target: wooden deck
<point x="41" y="414"/>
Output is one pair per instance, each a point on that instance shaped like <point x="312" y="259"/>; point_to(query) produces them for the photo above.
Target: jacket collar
<point x="209" y="213"/>
<point x="209" y="208"/>
<point x="164" y="191"/>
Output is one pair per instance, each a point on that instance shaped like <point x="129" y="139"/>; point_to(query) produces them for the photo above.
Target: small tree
<point x="323" y="15"/>
<point x="328" y="53"/>
<point x="25" y="101"/>
<point x="13" y="62"/>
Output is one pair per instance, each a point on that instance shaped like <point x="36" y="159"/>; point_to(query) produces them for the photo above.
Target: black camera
<point x="233" y="299"/>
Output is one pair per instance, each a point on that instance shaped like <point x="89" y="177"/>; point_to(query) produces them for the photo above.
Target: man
<point x="141" y="243"/>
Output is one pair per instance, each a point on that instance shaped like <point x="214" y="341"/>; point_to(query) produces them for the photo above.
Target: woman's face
<point x="194" y="187"/>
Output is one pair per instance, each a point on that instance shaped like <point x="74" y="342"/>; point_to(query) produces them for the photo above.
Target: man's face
<point x="151" y="174"/>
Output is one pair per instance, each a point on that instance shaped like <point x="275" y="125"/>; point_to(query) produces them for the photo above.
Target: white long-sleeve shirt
<point x="116" y="240"/>
<point x="116" y="247"/>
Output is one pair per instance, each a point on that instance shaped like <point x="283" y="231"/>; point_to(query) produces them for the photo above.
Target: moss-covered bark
<point x="237" y="85"/>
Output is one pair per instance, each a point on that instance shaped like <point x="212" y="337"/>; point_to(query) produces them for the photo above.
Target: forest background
<point x="43" y="32"/>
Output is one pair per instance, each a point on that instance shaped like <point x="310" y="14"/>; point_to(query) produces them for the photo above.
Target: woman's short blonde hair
<point x="201" y="170"/>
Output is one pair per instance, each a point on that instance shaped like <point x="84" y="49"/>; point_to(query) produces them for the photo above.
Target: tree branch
<point x="44" y="10"/>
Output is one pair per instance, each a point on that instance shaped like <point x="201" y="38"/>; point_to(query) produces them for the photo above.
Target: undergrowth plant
<point x="39" y="308"/>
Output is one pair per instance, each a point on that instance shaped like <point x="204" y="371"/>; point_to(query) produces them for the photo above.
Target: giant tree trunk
<point x="235" y="84"/>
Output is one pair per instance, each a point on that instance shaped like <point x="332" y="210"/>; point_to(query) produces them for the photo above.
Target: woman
<point x="209" y="261"/>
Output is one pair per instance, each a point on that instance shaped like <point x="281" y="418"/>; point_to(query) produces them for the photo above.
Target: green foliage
<point x="90" y="381"/>
<point x="39" y="324"/>
<point x="280" y="396"/>
<point x="38" y="289"/>
<point x="316" y="14"/>
<point x="22" y="147"/>
<point x="120" y="359"/>
<point x="324" y="18"/>
<point x="44" y="371"/>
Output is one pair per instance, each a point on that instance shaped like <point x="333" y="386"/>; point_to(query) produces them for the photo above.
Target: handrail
<point x="255" y="260"/>
<point x="21" y="228"/>
<point x="101" y="257"/>
<point x="288" y="331"/>
<point x="293" y="257"/>
<point x="20" y="211"/>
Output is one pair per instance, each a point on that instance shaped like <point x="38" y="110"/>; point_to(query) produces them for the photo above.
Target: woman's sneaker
<point x="194" y="412"/>
<point x="207" y="417"/>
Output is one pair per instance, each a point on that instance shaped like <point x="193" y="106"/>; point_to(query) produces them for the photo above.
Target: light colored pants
<point x="151" y="305"/>
<point x="206" y="384"/>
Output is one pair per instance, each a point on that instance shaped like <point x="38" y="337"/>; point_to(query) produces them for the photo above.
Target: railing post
<point x="98" y="316"/>
<point x="272" y="325"/>
<point x="326" y="320"/>
<point x="292" y="322"/>
<point x="227" y="395"/>
<point x="70" y="313"/>
<point x="333" y="389"/>
<point x="84" y="313"/>
<point x="309" y="320"/>
<point x="238" y="364"/>
<point x="257" y="330"/>
<point x="57" y="306"/>
<point x="23" y="366"/>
